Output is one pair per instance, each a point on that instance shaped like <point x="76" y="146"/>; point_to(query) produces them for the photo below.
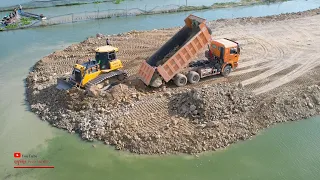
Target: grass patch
<point x="26" y="21"/>
<point x="191" y="8"/>
<point x="12" y="26"/>
<point x="227" y="4"/>
<point x="118" y="1"/>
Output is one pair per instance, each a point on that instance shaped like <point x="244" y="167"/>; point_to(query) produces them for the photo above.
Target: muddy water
<point x="288" y="151"/>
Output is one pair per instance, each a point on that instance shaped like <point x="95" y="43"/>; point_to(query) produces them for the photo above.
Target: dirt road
<point x="279" y="58"/>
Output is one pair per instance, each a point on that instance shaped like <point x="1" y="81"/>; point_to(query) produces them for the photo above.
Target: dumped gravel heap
<point x="213" y="103"/>
<point x="143" y="120"/>
<point x="122" y="93"/>
<point x="294" y="105"/>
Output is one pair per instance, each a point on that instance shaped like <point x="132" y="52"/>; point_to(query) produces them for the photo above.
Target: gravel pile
<point x="220" y="115"/>
<point x="212" y="103"/>
<point x="294" y="105"/>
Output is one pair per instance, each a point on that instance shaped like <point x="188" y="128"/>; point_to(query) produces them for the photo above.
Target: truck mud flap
<point x="62" y="84"/>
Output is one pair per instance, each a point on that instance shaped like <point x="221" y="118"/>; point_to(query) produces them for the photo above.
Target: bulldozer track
<point x="103" y="77"/>
<point x="145" y="111"/>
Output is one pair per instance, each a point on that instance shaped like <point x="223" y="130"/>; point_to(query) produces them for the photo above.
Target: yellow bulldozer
<point x="93" y="72"/>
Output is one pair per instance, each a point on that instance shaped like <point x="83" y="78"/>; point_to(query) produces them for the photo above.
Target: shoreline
<point x="180" y="9"/>
<point x="147" y="121"/>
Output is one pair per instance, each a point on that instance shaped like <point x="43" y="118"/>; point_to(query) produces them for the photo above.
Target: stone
<point x="195" y="112"/>
<point x="174" y="121"/>
<point x="310" y="105"/>
<point x="93" y="91"/>
<point x="212" y="124"/>
<point x="201" y="125"/>
<point x="99" y="86"/>
<point x="167" y="93"/>
<point x="193" y="107"/>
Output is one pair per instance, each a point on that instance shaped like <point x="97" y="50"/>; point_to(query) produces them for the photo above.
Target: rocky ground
<point x="279" y="73"/>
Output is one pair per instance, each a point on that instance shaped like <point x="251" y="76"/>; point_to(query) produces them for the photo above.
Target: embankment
<point x="278" y="69"/>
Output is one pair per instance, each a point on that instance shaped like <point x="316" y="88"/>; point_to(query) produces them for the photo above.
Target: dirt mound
<point x="198" y="117"/>
<point x="122" y="93"/>
<point x="212" y="103"/>
<point x="290" y="106"/>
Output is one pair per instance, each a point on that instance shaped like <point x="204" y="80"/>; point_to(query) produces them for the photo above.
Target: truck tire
<point x="193" y="77"/>
<point x="226" y="70"/>
<point x="180" y="80"/>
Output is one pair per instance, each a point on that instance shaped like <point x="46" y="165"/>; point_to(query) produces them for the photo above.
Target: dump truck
<point x="173" y="61"/>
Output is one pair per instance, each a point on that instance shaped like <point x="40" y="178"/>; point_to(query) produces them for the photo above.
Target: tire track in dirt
<point x="271" y="78"/>
<point x="303" y="46"/>
<point x="262" y="58"/>
<point x="301" y="70"/>
<point x="275" y="67"/>
<point x="266" y="58"/>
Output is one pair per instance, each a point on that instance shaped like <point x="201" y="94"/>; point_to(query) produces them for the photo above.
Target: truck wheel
<point x="226" y="70"/>
<point x="180" y="80"/>
<point x="193" y="77"/>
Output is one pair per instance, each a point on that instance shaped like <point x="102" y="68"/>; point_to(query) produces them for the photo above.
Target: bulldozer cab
<point x="77" y="75"/>
<point x="106" y="57"/>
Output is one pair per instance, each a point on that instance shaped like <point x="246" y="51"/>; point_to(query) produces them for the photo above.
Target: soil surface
<point x="279" y="71"/>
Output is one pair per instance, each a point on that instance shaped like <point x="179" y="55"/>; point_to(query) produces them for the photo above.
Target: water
<point x="127" y="4"/>
<point x="6" y="3"/>
<point x="288" y="151"/>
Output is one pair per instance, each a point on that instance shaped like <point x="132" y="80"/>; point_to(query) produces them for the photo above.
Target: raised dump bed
<point x="176" y="53"/>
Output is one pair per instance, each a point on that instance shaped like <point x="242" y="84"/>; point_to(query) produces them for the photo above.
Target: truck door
<point x="234" y="54"/>
<point x="221" y="53"/>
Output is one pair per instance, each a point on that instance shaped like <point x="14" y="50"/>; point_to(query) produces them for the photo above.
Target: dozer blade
<point x="63" y="84"/>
